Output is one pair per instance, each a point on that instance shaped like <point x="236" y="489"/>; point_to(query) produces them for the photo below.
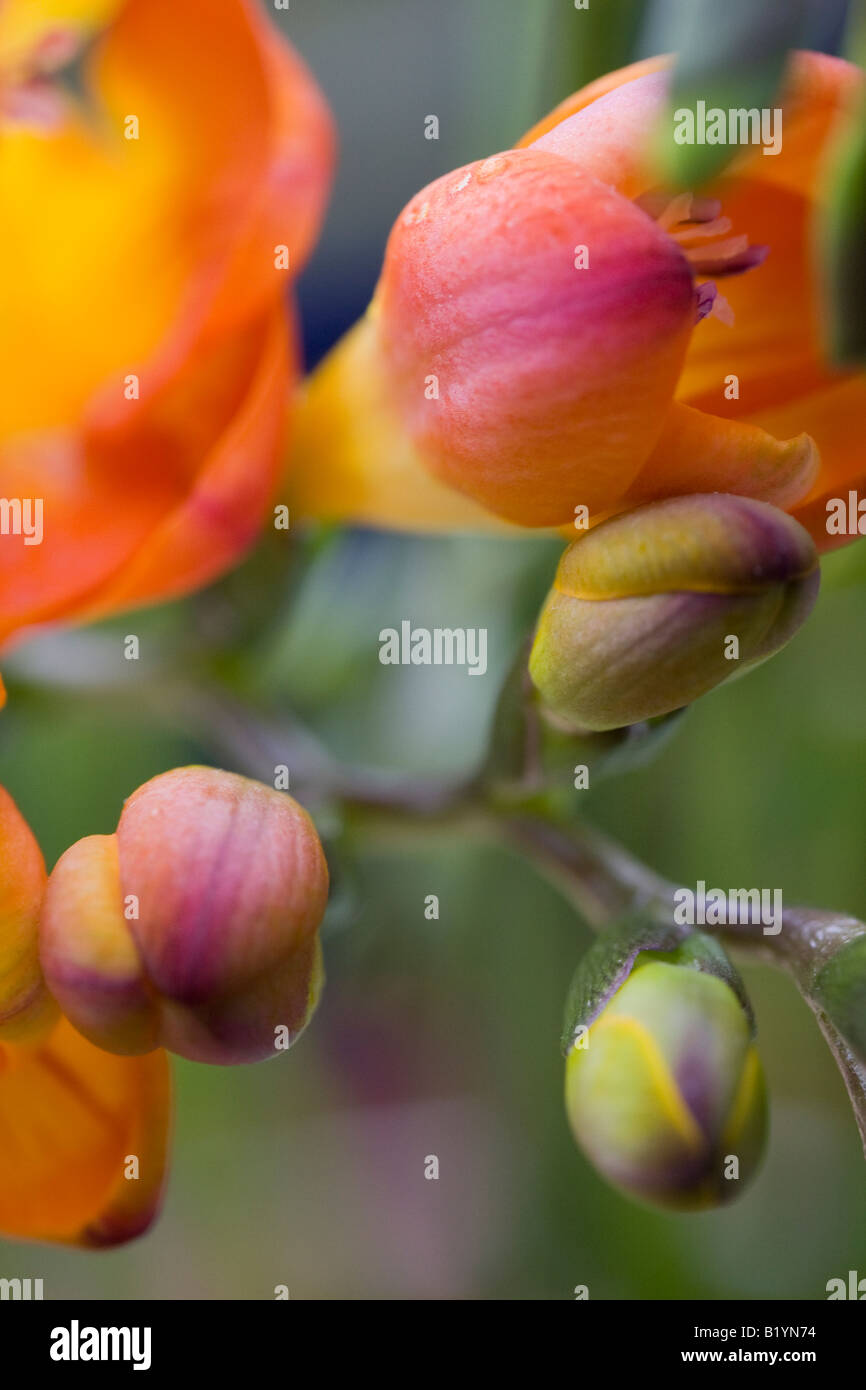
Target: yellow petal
<point x="352" y="460"/>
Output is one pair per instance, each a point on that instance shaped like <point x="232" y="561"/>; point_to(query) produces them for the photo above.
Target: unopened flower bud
<point x="552" y="371"/>
<point x="194" y="927"/>
<point x="664" y="1087"/>
<point x="657" y="606"/>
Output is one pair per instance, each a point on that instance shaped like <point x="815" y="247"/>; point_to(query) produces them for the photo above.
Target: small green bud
<point x="660" y="604"/>
<point x="664" y="1087"/>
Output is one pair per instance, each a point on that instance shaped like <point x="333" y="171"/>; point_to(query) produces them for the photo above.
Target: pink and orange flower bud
<point x="194" y="927"/>
<point x="556" y="328"/>
<point x="553" y="316"/>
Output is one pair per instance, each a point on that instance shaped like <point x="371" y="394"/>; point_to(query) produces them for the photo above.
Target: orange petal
<point x="26" y="1009"/>
<point x="834" y="418"/>
<point x="161" y="497"/>
<point x="775" y="346"/>
<point x="168" y="258"/>
<point x="705" y="453"/>
<point x="289" y="202"/>
<point x="252" y="128"/>
<point x="71" y="1120"/>
<point x="222" y="509"/>
<point x="233" y="157"/>
<point x="777" y="343"/>
<point x="92" y="522"/>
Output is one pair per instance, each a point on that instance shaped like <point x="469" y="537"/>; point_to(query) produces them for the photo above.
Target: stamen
<point x="722" y="310"/>
<point x="699" y="231"/>
<point x="689" y="220"/>
<point x="721" y="251"/>
<point x="706" y="298"/>
<point x="731" y="262"/>
<point x="705" y="209"/>
<point x="710" y="302"/>
<point x="677" y="211"/>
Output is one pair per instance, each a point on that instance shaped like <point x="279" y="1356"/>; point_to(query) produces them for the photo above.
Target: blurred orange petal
<point x="26" y="1011"/>
<point x="72" y="1119"/>
<point x="115" y="535"/>
<point x="219" y="512"/>
<point x="92" y="524"/>
<point x="132" y="341"/>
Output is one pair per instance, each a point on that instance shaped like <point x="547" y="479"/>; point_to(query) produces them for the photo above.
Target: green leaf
<point x="731" y="55"/>
<point x="591" y="41"/>
<point x="844" y="250"/>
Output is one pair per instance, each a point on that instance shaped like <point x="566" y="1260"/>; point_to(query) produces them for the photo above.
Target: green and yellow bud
<point x="664" y="1088"/>
<point x="653" y="608"/>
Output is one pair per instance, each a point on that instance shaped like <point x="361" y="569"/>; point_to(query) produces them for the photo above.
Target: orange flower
<point x="548" y="331"/>
<point x="83" y="1135"/>
<point x="149" y="230"/>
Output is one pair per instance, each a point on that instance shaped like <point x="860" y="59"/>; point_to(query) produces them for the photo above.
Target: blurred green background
<point x="441" y="1037"/>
